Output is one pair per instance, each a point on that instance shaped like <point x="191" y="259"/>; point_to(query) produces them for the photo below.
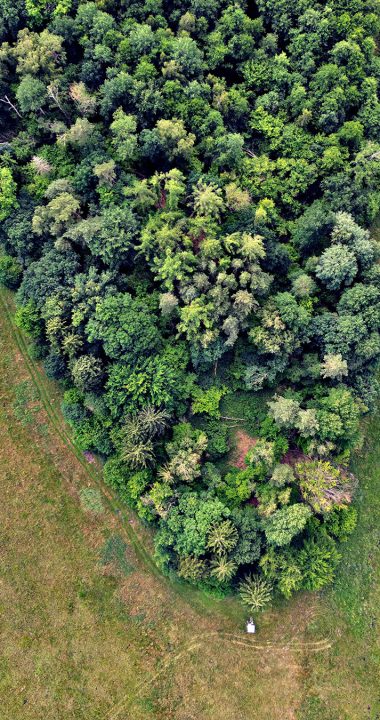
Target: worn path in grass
<point x="84" y="638"/>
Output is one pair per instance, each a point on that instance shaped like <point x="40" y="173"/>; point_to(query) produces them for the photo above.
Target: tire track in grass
<point x="198" y="641"/>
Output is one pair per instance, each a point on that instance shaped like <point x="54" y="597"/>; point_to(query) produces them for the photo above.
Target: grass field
<point x="90" y="630"/>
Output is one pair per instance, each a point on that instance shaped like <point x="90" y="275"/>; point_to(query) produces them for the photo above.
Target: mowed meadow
<point x="90" y="629"/>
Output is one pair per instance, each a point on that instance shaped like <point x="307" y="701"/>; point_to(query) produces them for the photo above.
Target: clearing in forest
<point x="243" y="442"/>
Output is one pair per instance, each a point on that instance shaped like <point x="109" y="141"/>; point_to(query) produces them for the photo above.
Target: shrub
<point x="129" y="485"/>
<point x="10" y="271"/>
<point x="318" y="560"/>
<point x="255" y="592"/>
<point x="281" y="527"/>
<point x="55" y="366"/>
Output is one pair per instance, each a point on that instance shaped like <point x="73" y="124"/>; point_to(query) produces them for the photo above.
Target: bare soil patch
<point x="243" y="443"/>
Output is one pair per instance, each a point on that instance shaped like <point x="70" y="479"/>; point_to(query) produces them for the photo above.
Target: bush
<point x="217" y="436"/>
<point x="90" y="434"/>
<point x="281" y="527"/>
<point x="27" y="318"/>
<point x="282" y="567"/>
<point x="72" y="407"/>
<point x="55" y="366"/>
<point x="10" y="272"/>
<point x="318" y="560"/>
<point x="129" y="486"/>
<point x="255" y="592"/>
<point x="341" y="522"/>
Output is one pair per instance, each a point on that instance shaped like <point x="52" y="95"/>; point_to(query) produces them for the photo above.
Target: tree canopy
<point x="187" y="196"/>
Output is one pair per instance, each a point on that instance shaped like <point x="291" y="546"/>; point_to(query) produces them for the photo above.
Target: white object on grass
<point x="251" y="627"/>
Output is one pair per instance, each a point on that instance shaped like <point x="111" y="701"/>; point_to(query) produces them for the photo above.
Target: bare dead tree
<point x="53" y="94"/>
<point x="7" y="101"/>
<point x="250" y="153"/>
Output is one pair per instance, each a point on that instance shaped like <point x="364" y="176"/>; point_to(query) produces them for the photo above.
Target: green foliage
<point x="255" y="592"/>
<point x="330" y="422"/>
<point x="184" y="452"/>
<point x="207" y="401"/>
<point x="191" y="568"/>
<point x="262" y="457"/>
<point x="39" y="9"/>
<point x="282" y="526"/>
<point x="185" y="197"/>
<point x="31" y="94"/>
<point x="8" y="189"/>
<point x="282" y="475"/>
<point x="187" y="525"/>
<point x="129" y="485"/>
<point x="222" y="538"/>
<point x="137" y="436"/>
<point x="337" y="266"/>
<point x="249" y="545"/>
<point x="282" y="568"/>
<point x="162" y="381"/>
<point x="222" y="568"/>
<point x="341" y="522"/>
<point x="312" y="565"/>
<point x="235" y="487"/>
<point x="125" y="327"/>
<point x="87" y="373"/>
<point x="28" y="319"/>
<point x="124" y="140"/>
<point x="10" y="271"/>
<point x="217" y="436"/>
<point x="318" y="561"/>
<point x="339" y="416"/>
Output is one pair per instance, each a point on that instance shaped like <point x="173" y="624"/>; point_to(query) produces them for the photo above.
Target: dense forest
<point x="186" y="192"/>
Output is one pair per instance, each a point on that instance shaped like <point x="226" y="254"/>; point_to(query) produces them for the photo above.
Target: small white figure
<point x="251" y="627"/>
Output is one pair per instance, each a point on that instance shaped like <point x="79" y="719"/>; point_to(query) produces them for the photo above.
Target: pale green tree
<point x="255" y="592"/>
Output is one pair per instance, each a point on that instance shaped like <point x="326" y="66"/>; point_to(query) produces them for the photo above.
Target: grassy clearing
<point x="90" y="629"/>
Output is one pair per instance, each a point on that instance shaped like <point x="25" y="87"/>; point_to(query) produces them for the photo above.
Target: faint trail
<point x="197" y="641"/>
<point x="293" y="644"/>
